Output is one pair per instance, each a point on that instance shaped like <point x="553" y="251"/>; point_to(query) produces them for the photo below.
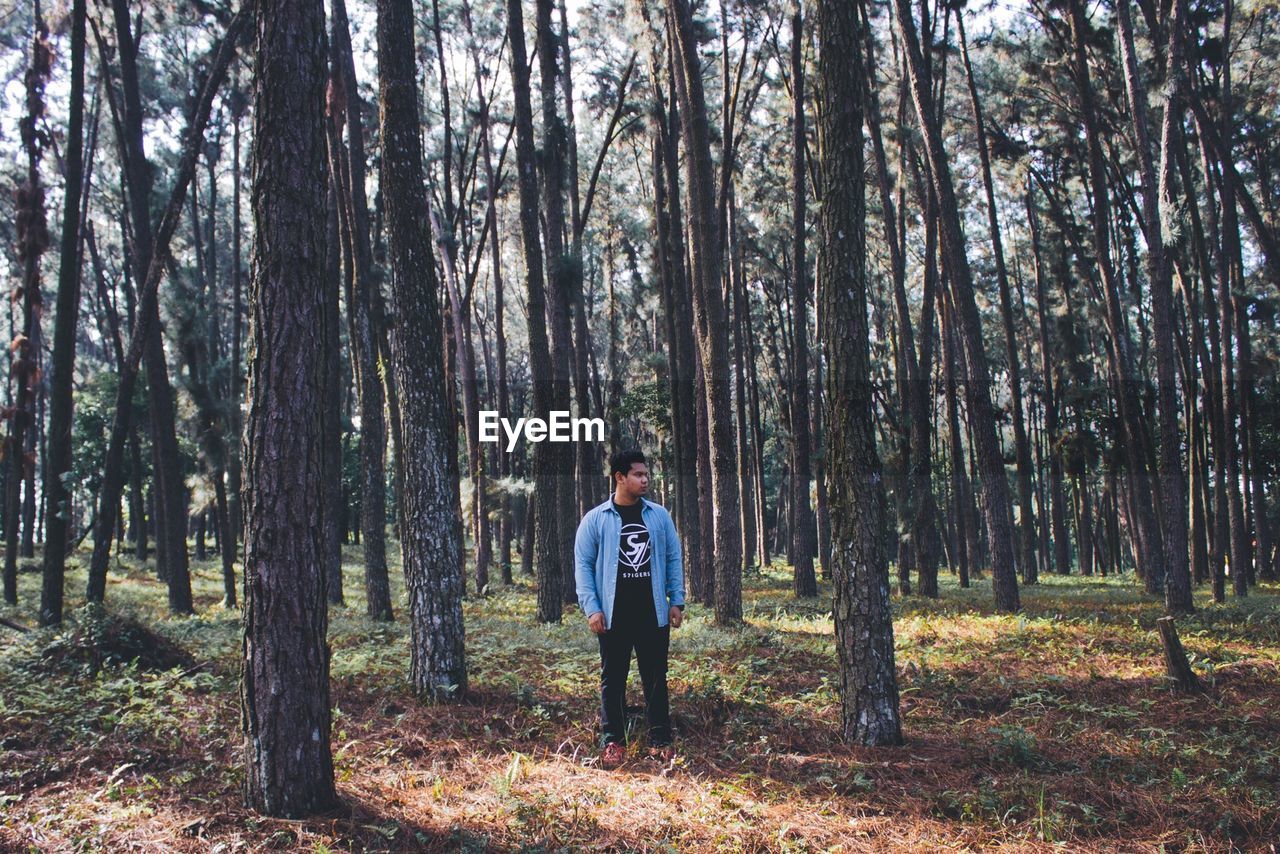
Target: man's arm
<point x="585" y="547"/>
<point x="675" y="565"/>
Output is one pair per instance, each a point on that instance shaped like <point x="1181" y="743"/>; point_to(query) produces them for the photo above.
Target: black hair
<point x="621" y="462"/>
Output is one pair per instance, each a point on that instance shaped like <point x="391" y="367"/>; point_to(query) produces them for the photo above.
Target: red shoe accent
<point x="612" y="755"/>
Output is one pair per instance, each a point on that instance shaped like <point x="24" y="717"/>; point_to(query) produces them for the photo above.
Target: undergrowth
<point x="1054" y="727"/>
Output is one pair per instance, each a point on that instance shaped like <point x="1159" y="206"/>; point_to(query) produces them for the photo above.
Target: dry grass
<point x="1049" y="729"/>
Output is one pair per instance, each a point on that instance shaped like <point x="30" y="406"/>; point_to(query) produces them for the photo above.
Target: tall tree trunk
<point x="1057" y="497"/>
<point x="860" y="567"/>
<point x="58" y="504"/>
<point x="1133" y="432"/>
<point x="962" y="504"/>
<point x="708" y="306"/>
<point x="587" y="463"/>
<point x="560" y="275"/>
<point x="285" y="679"/>
<point x="147" y="251"/>
<point x="693" y="481"/>
<point x="920" y="508"/>
<point x="460" y="322"/>
<point x="1249" y="427"/>
<point x="802" y="545"/>
<point x="171" y="504"/>
<point x="704" y="584"/>
<point x="746" y="472"/>
<point x="1022" y="449"/>
<point x="547" y="475"/>
<point x="234" y="466"/>
<point x="431" y="528"/>
<point x="995" y="487"/>
<point x="499" y="303"/>
<point x="669" y="255"/>
<point x="1229" y="275"/>
<point x="33" y="240"/>
<point x="335" y="497"/>
<point x="112" y="474"/>
<point x="1156" y="197"/>
<point x="348" y="167"/>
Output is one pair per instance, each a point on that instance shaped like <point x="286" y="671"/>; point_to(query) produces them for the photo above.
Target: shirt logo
<point x="634" y="551"/>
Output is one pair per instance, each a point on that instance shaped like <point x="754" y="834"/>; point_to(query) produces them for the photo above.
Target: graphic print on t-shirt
<point x="633" y="552"/>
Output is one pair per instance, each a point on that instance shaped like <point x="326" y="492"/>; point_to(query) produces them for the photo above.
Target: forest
<point x="949" y="331"/>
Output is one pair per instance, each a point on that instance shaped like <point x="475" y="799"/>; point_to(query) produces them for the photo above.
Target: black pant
<point x="650" y="642"/>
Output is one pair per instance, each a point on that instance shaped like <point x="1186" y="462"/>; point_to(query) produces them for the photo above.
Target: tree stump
<point x="1175" y="659"/>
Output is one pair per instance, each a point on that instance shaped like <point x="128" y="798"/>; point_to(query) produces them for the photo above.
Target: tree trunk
<point x="1022" y="450"/>
<point x="234" y="467"/>
<point x="995" y="487"/>
<point x="146" y="251"/>
<point x="709" y="313"/>
<point x="58" y="509"/>
<point x="1155" y="198"/>
<point x="1133" y="432"/>
<point x="802" y="545"/>
<point x="547" y="474"/>
<point x="561" y="271"/>
<point x="1057" y="497"/>
<point x="335" y="498"/>
<point x="431" y="529"/>
<point x="348" y="168"/>
<point x="962" y="504"/>
<point x="112" y="477"/>
<point x="499" y="306"/>
<point x="285" y="679"/>
<point x="860" y="568"/>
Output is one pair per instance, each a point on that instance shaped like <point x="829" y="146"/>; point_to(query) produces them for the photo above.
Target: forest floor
<point x="1053" y="728"/>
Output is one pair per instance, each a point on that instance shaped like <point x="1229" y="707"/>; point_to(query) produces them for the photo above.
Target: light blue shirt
<point x="595" y="559"/>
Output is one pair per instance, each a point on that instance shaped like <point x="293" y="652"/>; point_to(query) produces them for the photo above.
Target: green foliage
<point x="651" y="403"/>
<point x="95" y="406"/>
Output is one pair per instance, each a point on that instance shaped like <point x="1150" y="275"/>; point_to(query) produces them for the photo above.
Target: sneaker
<point x="612" y="755"/>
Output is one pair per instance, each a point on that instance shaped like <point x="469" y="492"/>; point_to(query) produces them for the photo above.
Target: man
<point x="630" y="580"/>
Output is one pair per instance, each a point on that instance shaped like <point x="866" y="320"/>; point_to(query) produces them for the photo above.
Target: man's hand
<point x="596" y="622"/>
<point x="676" y="616"/>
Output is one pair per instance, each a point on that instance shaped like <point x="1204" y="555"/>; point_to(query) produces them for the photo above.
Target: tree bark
<point x="1156" y="199"/>
<point x="1022" y="449"/>
<point x="58" y="496"/>
<point x="431" y="530"/>
<point x="1133" y="432"/>
<point x="995" y="487"/>
<point x="802" y="545"/>
<point x="562" y="269"/>
<point x="348" y="167"/>
<point x="860" y="567"/>
<point x="335" y="497"/>
<point x="285" y="678"/>
<point x="33" y="241"/>
<point x="547" y="474"/>
<point x="1057" y="497"/>
<point x="112" y="478"/>
<point x="171" y="503"/>
<point x="708" y="306"/>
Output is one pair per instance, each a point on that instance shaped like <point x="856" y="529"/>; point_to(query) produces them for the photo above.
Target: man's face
<point x="637" y="480"/>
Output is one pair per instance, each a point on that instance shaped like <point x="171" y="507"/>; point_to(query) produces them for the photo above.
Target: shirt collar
<point x="608" y="503"/>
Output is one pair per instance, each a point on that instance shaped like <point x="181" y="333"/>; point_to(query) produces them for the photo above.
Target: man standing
<point x="630" y="580"/>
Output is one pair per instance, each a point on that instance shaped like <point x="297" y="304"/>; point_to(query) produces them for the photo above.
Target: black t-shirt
<point x="634" y="596"/>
